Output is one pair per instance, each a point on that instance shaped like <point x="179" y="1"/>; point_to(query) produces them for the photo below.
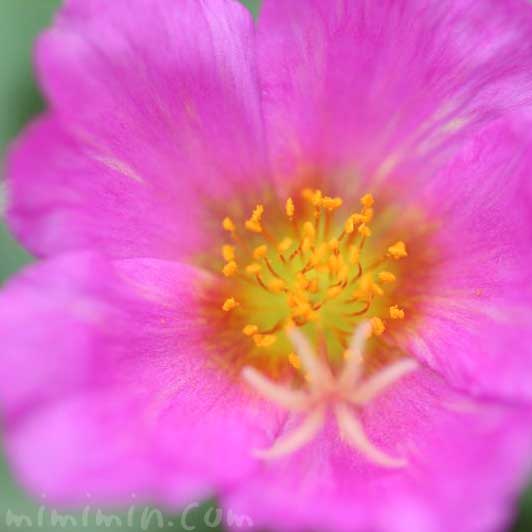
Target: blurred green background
<point x="20" y="22"/>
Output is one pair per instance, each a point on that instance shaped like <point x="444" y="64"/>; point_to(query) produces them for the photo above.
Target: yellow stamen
<point x="254" y="268"/>
<point x="294" y="360"/>
<point x="228" y="253"/>
<point x="230" y="304"/>
<point x="387" y="277"/>
<point x="230" y="269"/>
<point x="284" y="245"/>
<point x="260" y="252"/>
<point x="332" y="203"/>
<point x="254" y="222"/>
<point x="264" y="340"/>
<point x="228" y="225"/>
<point x="377" y="326"/>
<point x="398" y="250"/>
<point x="397" y="313"/>
<point x="290" y="208"/>
<point x="367" y="200"/>
<point x="250" y="330"/>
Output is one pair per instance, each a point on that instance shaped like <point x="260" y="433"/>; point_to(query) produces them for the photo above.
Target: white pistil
<point x="324" y="391"/>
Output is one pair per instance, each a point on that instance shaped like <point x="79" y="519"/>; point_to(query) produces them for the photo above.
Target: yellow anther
<point x="397" y="313"/>
<point x="290" y="208"/>
<point x="333" y="244"/>
<point x="230" y="269"/>
<point x="332" y="203"/>
<point x="228" y="253"/>
<point x="377" y="326"/>
<point x="369" y="287"/>
<point x="228" y="225"/>
<point x="294" y="360"/>
<point x="253" y="268"/>
<point x="257" y="213"/>
<point x="250" y="330"/>
<point x="260" y="252"/>
<point x="276" y="285"/>
<point x="398" y="250"/>
<point x="367" y="201"/>
<point x="229" y="304"/>
<point x="334" y="291"/>
<point x="387" y="277"/>
<point x="309" y="231"/>
<point x="284" y="245"/>
<point x="264" y="340"/>
<point x="253" y="224"/>
<point x="364" y="230"/>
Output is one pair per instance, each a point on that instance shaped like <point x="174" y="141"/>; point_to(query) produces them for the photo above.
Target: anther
<point x="250" y="330"/>
<point x="264" y="340"/>
<point x="228" y="253"/>
<point x="230" y="269"/>
<point x="397" y="313"/>
<point x="387" y="277"/>
<point x="290" y="208"/>
<point x="228" y="225"/>
<point x="230" y="304"/>
<point x="398" y="250"/>
<point x="377" y="326"/>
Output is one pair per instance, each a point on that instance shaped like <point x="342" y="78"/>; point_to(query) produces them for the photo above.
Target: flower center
<point x="308" y="263"/>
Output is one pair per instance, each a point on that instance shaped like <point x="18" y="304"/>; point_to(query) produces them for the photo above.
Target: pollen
<point x="230" y="269"/>
<point x="377" y="326"/>
<point x="228" y="225"/>
<point x="290" y="208"/>
<point x="264" y="340"/>
<point x="250" y="330"/>
<point x="229" y="304"/>
<point x="254" y="222"/>
<point x="228" y="253"/>
<point x="387" y="277"/>
<point x="312" y="264"/>
<point x="398" y="250"/>
<point x="367" y="201"/>
<point x="397" y="313"/>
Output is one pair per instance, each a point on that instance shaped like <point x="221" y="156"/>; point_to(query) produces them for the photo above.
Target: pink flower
<point x="287" y="264"/>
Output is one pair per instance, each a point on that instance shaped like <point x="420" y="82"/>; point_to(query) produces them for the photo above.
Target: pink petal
<point x="474" y="301"/>
<point x="106" y="382"/>
<point x="155" y="111"/>
<point x="467" y="462"/>
<point x="362" y="89"/>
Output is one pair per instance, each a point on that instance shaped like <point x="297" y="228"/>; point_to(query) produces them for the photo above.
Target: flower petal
<point x="378" y="89"/>
<point x="451" y="444"/>
<point x="105" y="379"/>
<point x="155" y="111"/>
<point x="473" y="299"/>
